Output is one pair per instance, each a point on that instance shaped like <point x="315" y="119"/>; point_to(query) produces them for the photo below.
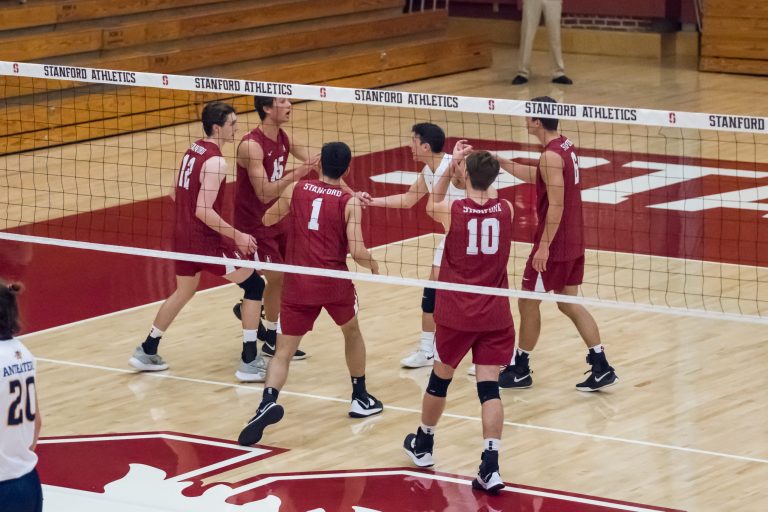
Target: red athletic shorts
<point x="299" y="319"/>
<point x="190" y="268"/>
<point x="558" y="275"/>
<point x="271" y="245"/>
<point x="490" y="347"/>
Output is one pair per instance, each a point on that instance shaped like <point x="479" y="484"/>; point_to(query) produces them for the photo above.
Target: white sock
<point x="427" y="342"/>
<point x="521" y="351"/>
<point x="155" y="332"/>
<point x="492" y="444"/>
<point x="270" y="326"/>
<point x="597" y="348"/>
<point x="428" y="430"/>
<point x="249" y="335"/>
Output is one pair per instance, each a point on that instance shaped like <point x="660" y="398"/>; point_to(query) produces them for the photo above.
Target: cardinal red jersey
<point x="249" y="209"/>
<point x="318" y="239"/>
<point x="568" y="243"/>
<point x="191" y="235"/>
<point x="476" y="252"/>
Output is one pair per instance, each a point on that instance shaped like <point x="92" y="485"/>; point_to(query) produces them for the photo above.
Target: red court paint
<point x="672" y="207"/>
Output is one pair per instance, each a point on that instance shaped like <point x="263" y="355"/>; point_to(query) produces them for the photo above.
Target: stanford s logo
<point x="165" y="79"/>
<point x="672" y="118"/>
<point x="15" y="67"/>
<point x="323" y="92"/>
<point x="185" y="473"/>
<point x="491" y="105"/>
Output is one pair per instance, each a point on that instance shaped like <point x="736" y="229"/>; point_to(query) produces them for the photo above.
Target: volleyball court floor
<point x="686" y="428"/>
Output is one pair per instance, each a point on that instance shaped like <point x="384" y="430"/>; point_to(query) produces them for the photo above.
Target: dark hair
<point x="483" y="169"/>
<point x="9" y="310"/>
<point x="431" y="134"/>
<point x="548" y="123"/>
<point x="215" y="113"/>
<point x="335" y="158"/>
<point x="263" y="101"/>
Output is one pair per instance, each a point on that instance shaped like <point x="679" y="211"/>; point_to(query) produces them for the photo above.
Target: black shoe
<point x="519" y="80"/>
<point x="488" y="478"/>
<point x="364" y="407"/>
<point x="601" y="374"/>
<point x="269" y="347"/>
<point x="419" y="447"/>
<point x="238" y="313"/>
<point x="563" y="80"/>
<point x="515" y="377"/>
<point x="269" y="415"/>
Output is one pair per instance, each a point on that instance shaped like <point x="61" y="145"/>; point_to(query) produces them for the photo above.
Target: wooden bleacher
<point x="353" y="43"/>
<point x="734" y="37"/>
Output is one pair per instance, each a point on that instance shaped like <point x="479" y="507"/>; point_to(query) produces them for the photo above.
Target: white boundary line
<point x="383" y="279"/>
<point x="416" y="411"/>
<point x="389" y="98"/>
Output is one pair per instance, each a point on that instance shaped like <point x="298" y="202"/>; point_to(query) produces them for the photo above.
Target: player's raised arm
<point x="251" y="156"/>
<point x="551" y="166"/>
<point x="212" y="174"/>
<point x="279" y="208"/>
<point x="407" y="199"/>
<point x="527" y="173"/>
<point x="354" y="216"/>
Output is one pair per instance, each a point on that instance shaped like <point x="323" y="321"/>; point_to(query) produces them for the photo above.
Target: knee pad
<point x="253" y="287"/>
<point x="428" y="300"/>
<point x="437" y="386"/>
<point x="487" y="390"/>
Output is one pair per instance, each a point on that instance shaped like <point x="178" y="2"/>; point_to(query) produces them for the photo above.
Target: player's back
<point x="476" y="252"/>
<point x="17" y="401"/>
<point x="249" y="209"/>
<point x="318" y="238"/>
<point x="568" y="243"/>
<point x="190" y="232"/>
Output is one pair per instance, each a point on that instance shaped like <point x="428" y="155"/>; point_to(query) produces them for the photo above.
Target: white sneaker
<point x="255" y="371"/>
<point x="418" y="359"/>
<point x="146" y="362"/>
<point x="472" y="370"/>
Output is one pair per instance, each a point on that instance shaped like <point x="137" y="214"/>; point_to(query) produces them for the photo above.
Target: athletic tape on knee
<point x="487" y="390"/>
<point x="428" y="300"/>
<point x="253" y="287"/>
<point x="437" y="386"/>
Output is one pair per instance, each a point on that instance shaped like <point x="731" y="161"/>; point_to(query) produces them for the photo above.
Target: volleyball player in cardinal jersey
<point x="324" y="223"/>
<point x="477" y="245"/>
<point x="199" y="229"/>
<point x="20" y="489"/>
<point x="556" y="262"/>
<point x="261" y="178"/>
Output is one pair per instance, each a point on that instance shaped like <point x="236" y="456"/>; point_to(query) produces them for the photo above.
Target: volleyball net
<point x="675" y="203"/>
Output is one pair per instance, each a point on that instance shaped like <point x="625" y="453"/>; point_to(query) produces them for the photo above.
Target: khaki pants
<point x="532" y="10"/>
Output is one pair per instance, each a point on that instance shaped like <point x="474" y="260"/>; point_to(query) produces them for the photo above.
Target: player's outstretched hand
<point x="364" y="198"/>
<point x="246" y="244"/>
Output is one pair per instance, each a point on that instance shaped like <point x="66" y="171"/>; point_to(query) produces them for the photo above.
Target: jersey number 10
<point x="488" y="235"/>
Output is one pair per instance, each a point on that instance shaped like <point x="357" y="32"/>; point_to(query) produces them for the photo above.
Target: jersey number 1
<point x="314" y="223"/>
<point x="489" y="236"/>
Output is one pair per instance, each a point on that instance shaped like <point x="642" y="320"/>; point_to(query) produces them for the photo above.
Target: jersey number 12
<point x="488" y="235"/>
<point x="185" y="171"/>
